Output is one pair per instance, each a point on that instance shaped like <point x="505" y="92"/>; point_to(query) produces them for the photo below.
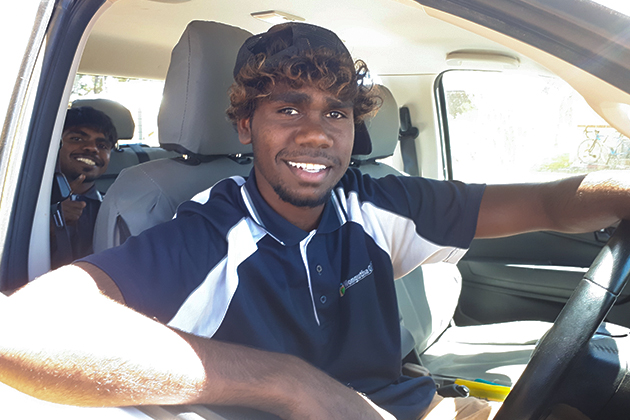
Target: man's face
<point x="302" y="141"/>
<point x="84" y="151"/>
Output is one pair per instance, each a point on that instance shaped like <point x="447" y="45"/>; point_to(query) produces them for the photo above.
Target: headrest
<point x="192" y="115"/>
<point x="121" y="117"/>
<point x="383" y="127"/>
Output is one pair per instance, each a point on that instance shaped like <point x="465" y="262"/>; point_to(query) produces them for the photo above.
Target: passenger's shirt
<point x="229" y="267"/>
<point x="80" y="234"/>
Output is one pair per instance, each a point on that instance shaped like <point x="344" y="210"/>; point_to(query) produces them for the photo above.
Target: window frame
<point x="69" y="20"/>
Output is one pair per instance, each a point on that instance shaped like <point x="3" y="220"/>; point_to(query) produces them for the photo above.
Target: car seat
<point x="428" y="296"/>
<point x="122" y="156"/>
<point x="192" y="122"/>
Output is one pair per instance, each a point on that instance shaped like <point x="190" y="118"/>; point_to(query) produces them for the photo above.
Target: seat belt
<point x="407" y="136"/>
<point x="141" y="154"/>
<point x="122" y="232"/>
<point x="60" y="245"/>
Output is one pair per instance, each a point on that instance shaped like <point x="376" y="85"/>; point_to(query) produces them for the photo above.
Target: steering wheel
<point x="577" y="322"/>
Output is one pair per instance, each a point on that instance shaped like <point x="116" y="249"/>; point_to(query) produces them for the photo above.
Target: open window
<point x="506" y="127"/>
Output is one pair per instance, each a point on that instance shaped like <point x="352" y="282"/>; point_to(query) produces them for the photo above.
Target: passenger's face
<point x="84" y="151"/>
<point x="302" y="141"/>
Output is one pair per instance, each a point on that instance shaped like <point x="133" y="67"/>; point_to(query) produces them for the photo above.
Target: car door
<point x="53" y="45"/>
<point x="530" y="276"/>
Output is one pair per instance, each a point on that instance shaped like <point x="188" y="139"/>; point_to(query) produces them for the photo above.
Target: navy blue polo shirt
<point x="231" y="268"/>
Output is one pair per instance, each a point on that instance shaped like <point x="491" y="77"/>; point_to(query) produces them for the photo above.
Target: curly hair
<point x="322" y="68"/>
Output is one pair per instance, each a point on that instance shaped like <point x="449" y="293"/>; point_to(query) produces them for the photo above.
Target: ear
<point x="244" y="129"/>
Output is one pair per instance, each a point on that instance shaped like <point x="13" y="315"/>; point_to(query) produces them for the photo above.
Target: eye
<point x="337" y="115"/>
<point x="76" y="139"/>
<point x="103" y="146"/>
<point x="288" y="111"/>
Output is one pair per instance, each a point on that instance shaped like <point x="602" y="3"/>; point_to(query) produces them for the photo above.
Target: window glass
<point x="509" y="127"/>
<point x="141" y="96"/>
<point x="622" y="6"/>
<point x="18" y="22"/>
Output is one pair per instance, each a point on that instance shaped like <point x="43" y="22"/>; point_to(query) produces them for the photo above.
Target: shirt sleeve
<point x="444" y="212"/>
<point x="415" y="220"/>
<point x="157" y="270"/>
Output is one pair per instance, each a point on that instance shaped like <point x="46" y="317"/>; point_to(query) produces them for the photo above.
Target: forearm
<point x="572" y="205"/>
<point x="88" y="350"/>
<point x="279" y="384"/>
<point x="599" y="200"/>
<point x="93" y="351"/>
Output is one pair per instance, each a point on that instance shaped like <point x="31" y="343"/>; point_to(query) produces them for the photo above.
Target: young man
<point x="86" y="143"/>
<point x="277" y="290"/>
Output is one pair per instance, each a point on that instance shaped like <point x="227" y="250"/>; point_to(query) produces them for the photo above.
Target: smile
<point x="87" y="161"/>
<point x="308" y="167"/>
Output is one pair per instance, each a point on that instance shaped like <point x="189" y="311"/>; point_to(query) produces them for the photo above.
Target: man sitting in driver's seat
<point x="276" y="292"/>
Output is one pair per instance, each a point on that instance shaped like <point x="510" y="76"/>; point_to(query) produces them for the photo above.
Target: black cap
<point x="300" y="37"/>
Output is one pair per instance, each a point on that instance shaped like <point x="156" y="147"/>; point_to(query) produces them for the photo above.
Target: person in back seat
<point x="86" y="144"/>
<point x="278" y="290"/>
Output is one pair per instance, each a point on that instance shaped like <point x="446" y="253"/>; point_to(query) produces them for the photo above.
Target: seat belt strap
<point x="142" y="155"/>
<point x="407" y="136"/>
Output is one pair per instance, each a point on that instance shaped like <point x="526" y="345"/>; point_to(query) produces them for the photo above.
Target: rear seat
<point x="192" y="122"/>
<point x="122" y="156"/>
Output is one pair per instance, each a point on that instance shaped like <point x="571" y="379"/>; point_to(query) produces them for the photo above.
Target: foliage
<point x="85" y="84"/>
<point x="560" y="163"/>
<point x="458" y="103"/>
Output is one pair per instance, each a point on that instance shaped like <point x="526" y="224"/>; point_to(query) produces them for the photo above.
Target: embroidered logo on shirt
<point x="346" y="284"/>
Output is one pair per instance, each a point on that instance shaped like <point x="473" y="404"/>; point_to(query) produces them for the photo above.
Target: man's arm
<point x="572" y="205"/>
<point x="68" y="343"/>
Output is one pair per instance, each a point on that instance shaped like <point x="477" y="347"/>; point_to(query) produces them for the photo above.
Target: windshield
<point x="621" y="6"/>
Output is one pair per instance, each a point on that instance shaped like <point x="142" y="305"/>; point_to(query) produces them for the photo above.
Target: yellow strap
<point x="486" y="391"/>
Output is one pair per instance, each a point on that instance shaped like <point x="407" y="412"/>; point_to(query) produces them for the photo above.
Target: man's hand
<point x="341" y="405"/>
<point x="72" y="210"/>
<point x="74" y="185"/>
<point x="280" y="384"/>
<point x="295" y="390"/>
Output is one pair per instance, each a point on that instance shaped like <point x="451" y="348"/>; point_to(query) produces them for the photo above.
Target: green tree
<point x="84" y="84"/>
<point x="458" y="103"/>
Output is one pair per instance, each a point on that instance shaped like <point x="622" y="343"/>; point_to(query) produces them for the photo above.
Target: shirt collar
<point x="277" y="226"/>
<point x="92" y="194"/>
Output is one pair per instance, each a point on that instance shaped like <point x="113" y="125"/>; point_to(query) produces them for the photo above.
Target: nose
<point x="89" y="146"/>
<point x="312" y="133"/>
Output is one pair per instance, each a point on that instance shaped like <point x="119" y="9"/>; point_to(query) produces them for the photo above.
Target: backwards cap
<point x="300" y="38"/>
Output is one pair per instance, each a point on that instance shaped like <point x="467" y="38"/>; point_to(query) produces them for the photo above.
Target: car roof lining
<point x="609" y="101"/>
<point x="530" y="30"/>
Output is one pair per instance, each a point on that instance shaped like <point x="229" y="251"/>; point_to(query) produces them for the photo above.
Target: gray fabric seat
<point x="191" y="122"/>
<point x="428" y="296"/>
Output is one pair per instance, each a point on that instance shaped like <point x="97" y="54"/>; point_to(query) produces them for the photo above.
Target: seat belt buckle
<point x="58" y="217"/>
<point x="453" y="391"/>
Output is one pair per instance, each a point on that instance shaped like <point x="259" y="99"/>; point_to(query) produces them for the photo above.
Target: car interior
<point x="477" y="323"/>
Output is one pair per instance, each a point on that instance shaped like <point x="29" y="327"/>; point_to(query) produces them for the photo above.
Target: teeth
<point x="308" y="167"/>
<point x="87" y="161"/>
